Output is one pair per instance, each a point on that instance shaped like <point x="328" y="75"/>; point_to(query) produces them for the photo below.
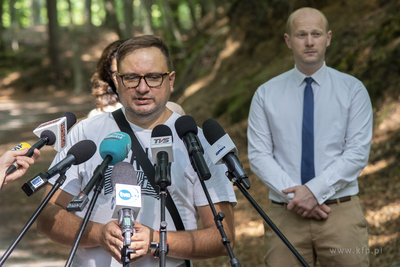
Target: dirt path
<point x="18" y="119"/>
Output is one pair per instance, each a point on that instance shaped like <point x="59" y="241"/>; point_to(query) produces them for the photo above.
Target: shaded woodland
<point x="222" y="51"/>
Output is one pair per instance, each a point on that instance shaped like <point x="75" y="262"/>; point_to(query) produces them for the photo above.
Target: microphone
<point x="126" y="199"/>
<point x="162" y="154"/>
<point x="113" y="149"/>
<point x="77" y="154"/>
<point x="52" y="133"/>
<point x="187" y="130"/>
<point x="223" y="150"/>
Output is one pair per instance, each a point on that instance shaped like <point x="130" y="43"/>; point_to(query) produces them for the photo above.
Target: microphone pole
<point x="186" y="125"/>
<point x="266" y="218"/>
<point x="162" y="151"/>
<point x="97" y="190"/>
<point x="113" y="149"/>
<point x="58" y="183"/>
<point x="163" y="179"/>
<point x="218" y="222"/>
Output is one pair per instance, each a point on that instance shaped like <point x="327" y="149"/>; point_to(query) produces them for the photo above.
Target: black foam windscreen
<point x="185" y="124"/>
<point x="50" y="135"/>
<point x="123" y="173"/>
<point x="71" y="119"/>
<point x="82" y="151"/>
<point x="161" y="130"/>
<point x="212" y="130"/>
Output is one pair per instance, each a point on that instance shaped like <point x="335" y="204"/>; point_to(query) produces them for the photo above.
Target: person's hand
<point x="320" y="212"/>
<point x="111" y="239"/>
<point x="303" y="201"/>
<point x="141" y="241"/>
<point x="9" y="157"/>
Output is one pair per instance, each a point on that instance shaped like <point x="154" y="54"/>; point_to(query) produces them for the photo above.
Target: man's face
<point x="143" y="101"/>
<point x="308" y="40"/>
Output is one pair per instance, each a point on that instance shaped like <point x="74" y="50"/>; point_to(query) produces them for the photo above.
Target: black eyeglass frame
<point x="144" y="78"/>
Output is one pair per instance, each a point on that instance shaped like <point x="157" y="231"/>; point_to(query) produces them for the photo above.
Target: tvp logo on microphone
<point x="126" y="196"/>
<point x="163" y="143"/>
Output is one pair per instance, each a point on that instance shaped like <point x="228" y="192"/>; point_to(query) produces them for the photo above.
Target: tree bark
<point x="88" y="13"/>
<point x="2" y="44"/>
<point x="77" y="64"/>
<point x="35" y="18"/>
<point x="111" y="17"/>
<point x="171" y="22"/>
<point x="53" y="30"/>
<point x="192" y="7"/>
<point x="148" y="26"/>
<point x="128" y="19"/>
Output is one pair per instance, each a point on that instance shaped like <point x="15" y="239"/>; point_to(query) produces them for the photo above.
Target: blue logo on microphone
<point x="125" y="194"/>
<point x="220" y="149"/>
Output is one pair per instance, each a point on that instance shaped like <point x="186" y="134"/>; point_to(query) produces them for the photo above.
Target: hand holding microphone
<point x="17" y="159"/>
<point x="126" y="200"/>
<point x="52" y="133"/>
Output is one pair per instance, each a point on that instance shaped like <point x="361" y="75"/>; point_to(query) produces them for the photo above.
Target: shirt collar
<point x="318" y="76"/>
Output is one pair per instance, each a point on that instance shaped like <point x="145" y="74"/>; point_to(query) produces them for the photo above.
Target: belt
<point x="328" y="202"/>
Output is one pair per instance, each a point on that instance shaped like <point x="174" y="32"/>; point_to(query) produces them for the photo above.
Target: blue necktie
<point x="307" y="150"/>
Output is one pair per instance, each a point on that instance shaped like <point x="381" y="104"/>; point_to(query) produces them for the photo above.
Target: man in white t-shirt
<point x="144" y="106"/>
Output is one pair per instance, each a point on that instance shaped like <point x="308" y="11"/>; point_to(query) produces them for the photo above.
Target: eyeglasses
<point x="151" y="79"/>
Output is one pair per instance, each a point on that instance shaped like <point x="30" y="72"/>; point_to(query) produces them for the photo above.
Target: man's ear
<point x="287" y="40"/>
<point x="171" y="80"/>
<point x="329" y="38"/>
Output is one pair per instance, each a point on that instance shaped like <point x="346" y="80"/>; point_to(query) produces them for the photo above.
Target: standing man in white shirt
<point x="309" y="138"/>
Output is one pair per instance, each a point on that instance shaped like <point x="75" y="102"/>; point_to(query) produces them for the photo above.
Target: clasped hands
<point x="305" y="204"/>
<point x="111" y="240"/>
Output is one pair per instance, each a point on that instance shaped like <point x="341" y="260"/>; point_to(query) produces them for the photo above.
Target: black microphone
<point x="223" y="150"/>
<point x="127" y="200"/>
<point x="52" y="133"/>
<point x="162" y="154"/>
<point x="77" y="154"/>
<point x="187" y="131"/>
<point x="113" y="149"/>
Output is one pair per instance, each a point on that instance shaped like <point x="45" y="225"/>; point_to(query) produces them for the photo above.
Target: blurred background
<point x="222" y="51"/>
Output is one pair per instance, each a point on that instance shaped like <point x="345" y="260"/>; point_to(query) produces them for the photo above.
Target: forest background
<point x="222" y="51"/>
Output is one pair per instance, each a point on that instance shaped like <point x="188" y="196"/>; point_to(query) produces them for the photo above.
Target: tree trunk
<point x="14" y="26"/>
<point x="77" y="64"/>
<point x="53" y="40"/>
<point x="128" y="19"/>
<point x="192" y="7"/>
<point x="111" y="17"/>
<point x="171" y="22"/>
<point x="35" y="18"/>
<point x="148" y="26"/>
<point x="88" y="13"/>
<point x="2" y="44"/>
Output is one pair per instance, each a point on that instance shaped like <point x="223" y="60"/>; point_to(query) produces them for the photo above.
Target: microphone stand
<point x="58" y="183"/>
<point x="163" y="179"/>
<point x="218" y="221"/>
<point x="266" y="218"/>
<point x="99" y="183"/>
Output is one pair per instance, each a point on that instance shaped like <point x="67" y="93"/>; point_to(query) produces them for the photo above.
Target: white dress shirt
<point x="342" y="133"/>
